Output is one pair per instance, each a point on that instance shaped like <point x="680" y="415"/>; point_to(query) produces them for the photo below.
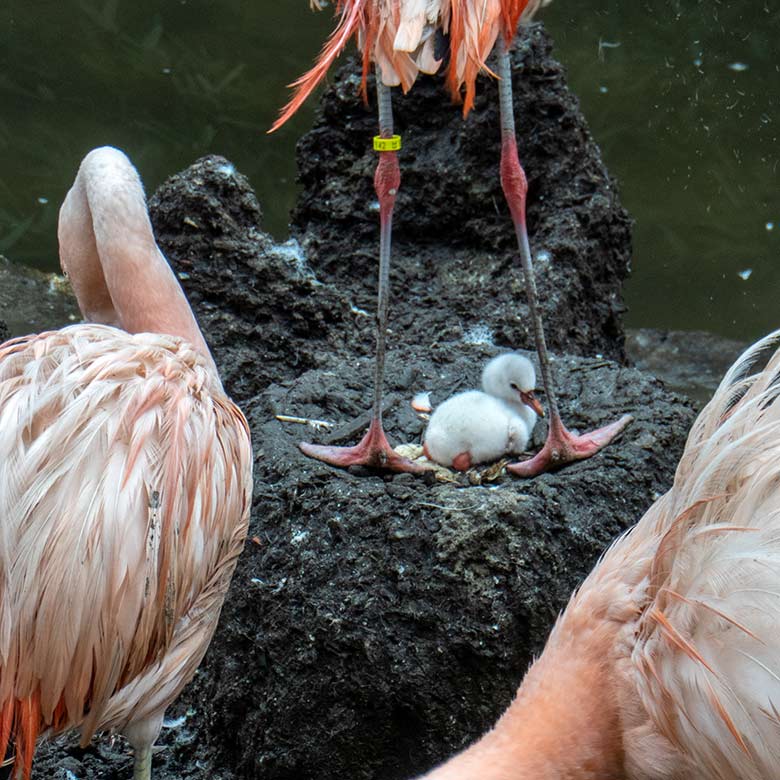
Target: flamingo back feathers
<point x="124" y="493"/>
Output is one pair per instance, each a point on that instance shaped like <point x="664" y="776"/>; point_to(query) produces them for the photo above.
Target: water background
<point x="683" y="97"/>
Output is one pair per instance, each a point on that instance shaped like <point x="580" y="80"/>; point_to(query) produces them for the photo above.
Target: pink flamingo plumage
<point x="398" y="37"/>
<point x="666" y="663"/>
<point x="125" y="487"/>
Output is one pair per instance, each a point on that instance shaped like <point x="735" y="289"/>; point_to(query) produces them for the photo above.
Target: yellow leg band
<point x="392" y="144"/>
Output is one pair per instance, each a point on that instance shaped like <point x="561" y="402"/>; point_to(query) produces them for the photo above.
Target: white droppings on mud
<point x="543" y="259"/>
<point x="174" y="723"/>
<point x="299" y="536"/>
<point x="291" y="253"/>
<point x="479" y="334"/>
<point x="227" y="170"/>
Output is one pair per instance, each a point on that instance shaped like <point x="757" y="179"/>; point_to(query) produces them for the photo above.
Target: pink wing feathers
<point x="706" y="655"/>
<point x="125" y="478"/>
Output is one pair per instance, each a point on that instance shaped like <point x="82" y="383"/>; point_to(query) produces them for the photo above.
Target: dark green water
<point x="683" y="97"/>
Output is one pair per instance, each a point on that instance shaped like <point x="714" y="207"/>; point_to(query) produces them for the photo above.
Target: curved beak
<point x="529" y="399"/>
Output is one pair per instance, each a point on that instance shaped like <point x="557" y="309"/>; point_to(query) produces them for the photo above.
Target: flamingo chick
<point x="125" y="487"/>
<point x="666" y="663"/>
<point x="478" y="427"/>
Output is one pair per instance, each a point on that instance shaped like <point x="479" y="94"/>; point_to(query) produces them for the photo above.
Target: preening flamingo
<point x="400" y="38"/>
<point x="480" y="426"/>
<point x="125" y="487"/>
<point x="666" y="663"/>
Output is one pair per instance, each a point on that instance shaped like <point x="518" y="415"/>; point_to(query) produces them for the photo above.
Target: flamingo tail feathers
<point x="368" y="46"/>
<point x="511" y="11"/>
<point x="21" y="718"/>
<point x="351" y="17"/>
<point x="456" y="36"/>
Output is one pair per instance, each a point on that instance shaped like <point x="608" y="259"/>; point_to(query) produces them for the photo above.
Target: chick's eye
<point x="514" y="386"/>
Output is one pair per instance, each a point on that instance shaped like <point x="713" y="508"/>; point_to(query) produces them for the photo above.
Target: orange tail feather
<point x="28" y="726"/>
<point x="368" y="47"/>
<point x="511" y="11"/>
<point x="22" y="718"/>
<point x="351" y="16"/>
<point x="6" y="722"/>
<point x="456" y="41"/>
<point x="60" y="715"/>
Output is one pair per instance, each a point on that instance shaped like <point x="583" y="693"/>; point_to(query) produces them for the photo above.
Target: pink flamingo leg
<point x="561" y="446"/>
<point x="373" y="449"/>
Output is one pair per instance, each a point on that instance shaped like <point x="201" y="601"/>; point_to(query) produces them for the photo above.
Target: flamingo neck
<point x="107" y="247"/>
<point x="564" y="723"/>
<point x="147" y="296"/>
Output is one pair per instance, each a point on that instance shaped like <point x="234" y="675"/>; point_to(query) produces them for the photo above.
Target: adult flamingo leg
<point x="561" y="446"/>
<point x="142" y="765"/>
<point x="373" y="449"/>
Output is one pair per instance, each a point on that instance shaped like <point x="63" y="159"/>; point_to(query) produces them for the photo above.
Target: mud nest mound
<point x="376" y="623"/>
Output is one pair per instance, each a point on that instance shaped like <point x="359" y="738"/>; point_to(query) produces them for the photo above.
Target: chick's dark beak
<point x="529" y="399"/>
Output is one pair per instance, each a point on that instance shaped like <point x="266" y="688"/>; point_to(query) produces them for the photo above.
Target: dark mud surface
<point x="31" y="301"/>
<point x="376" y="623"/>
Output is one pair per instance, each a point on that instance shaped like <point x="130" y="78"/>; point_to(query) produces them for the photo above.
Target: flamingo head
<point x="512" y="378"/>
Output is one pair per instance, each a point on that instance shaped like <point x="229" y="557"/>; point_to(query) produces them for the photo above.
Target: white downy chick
<point x="481" y="426"/>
